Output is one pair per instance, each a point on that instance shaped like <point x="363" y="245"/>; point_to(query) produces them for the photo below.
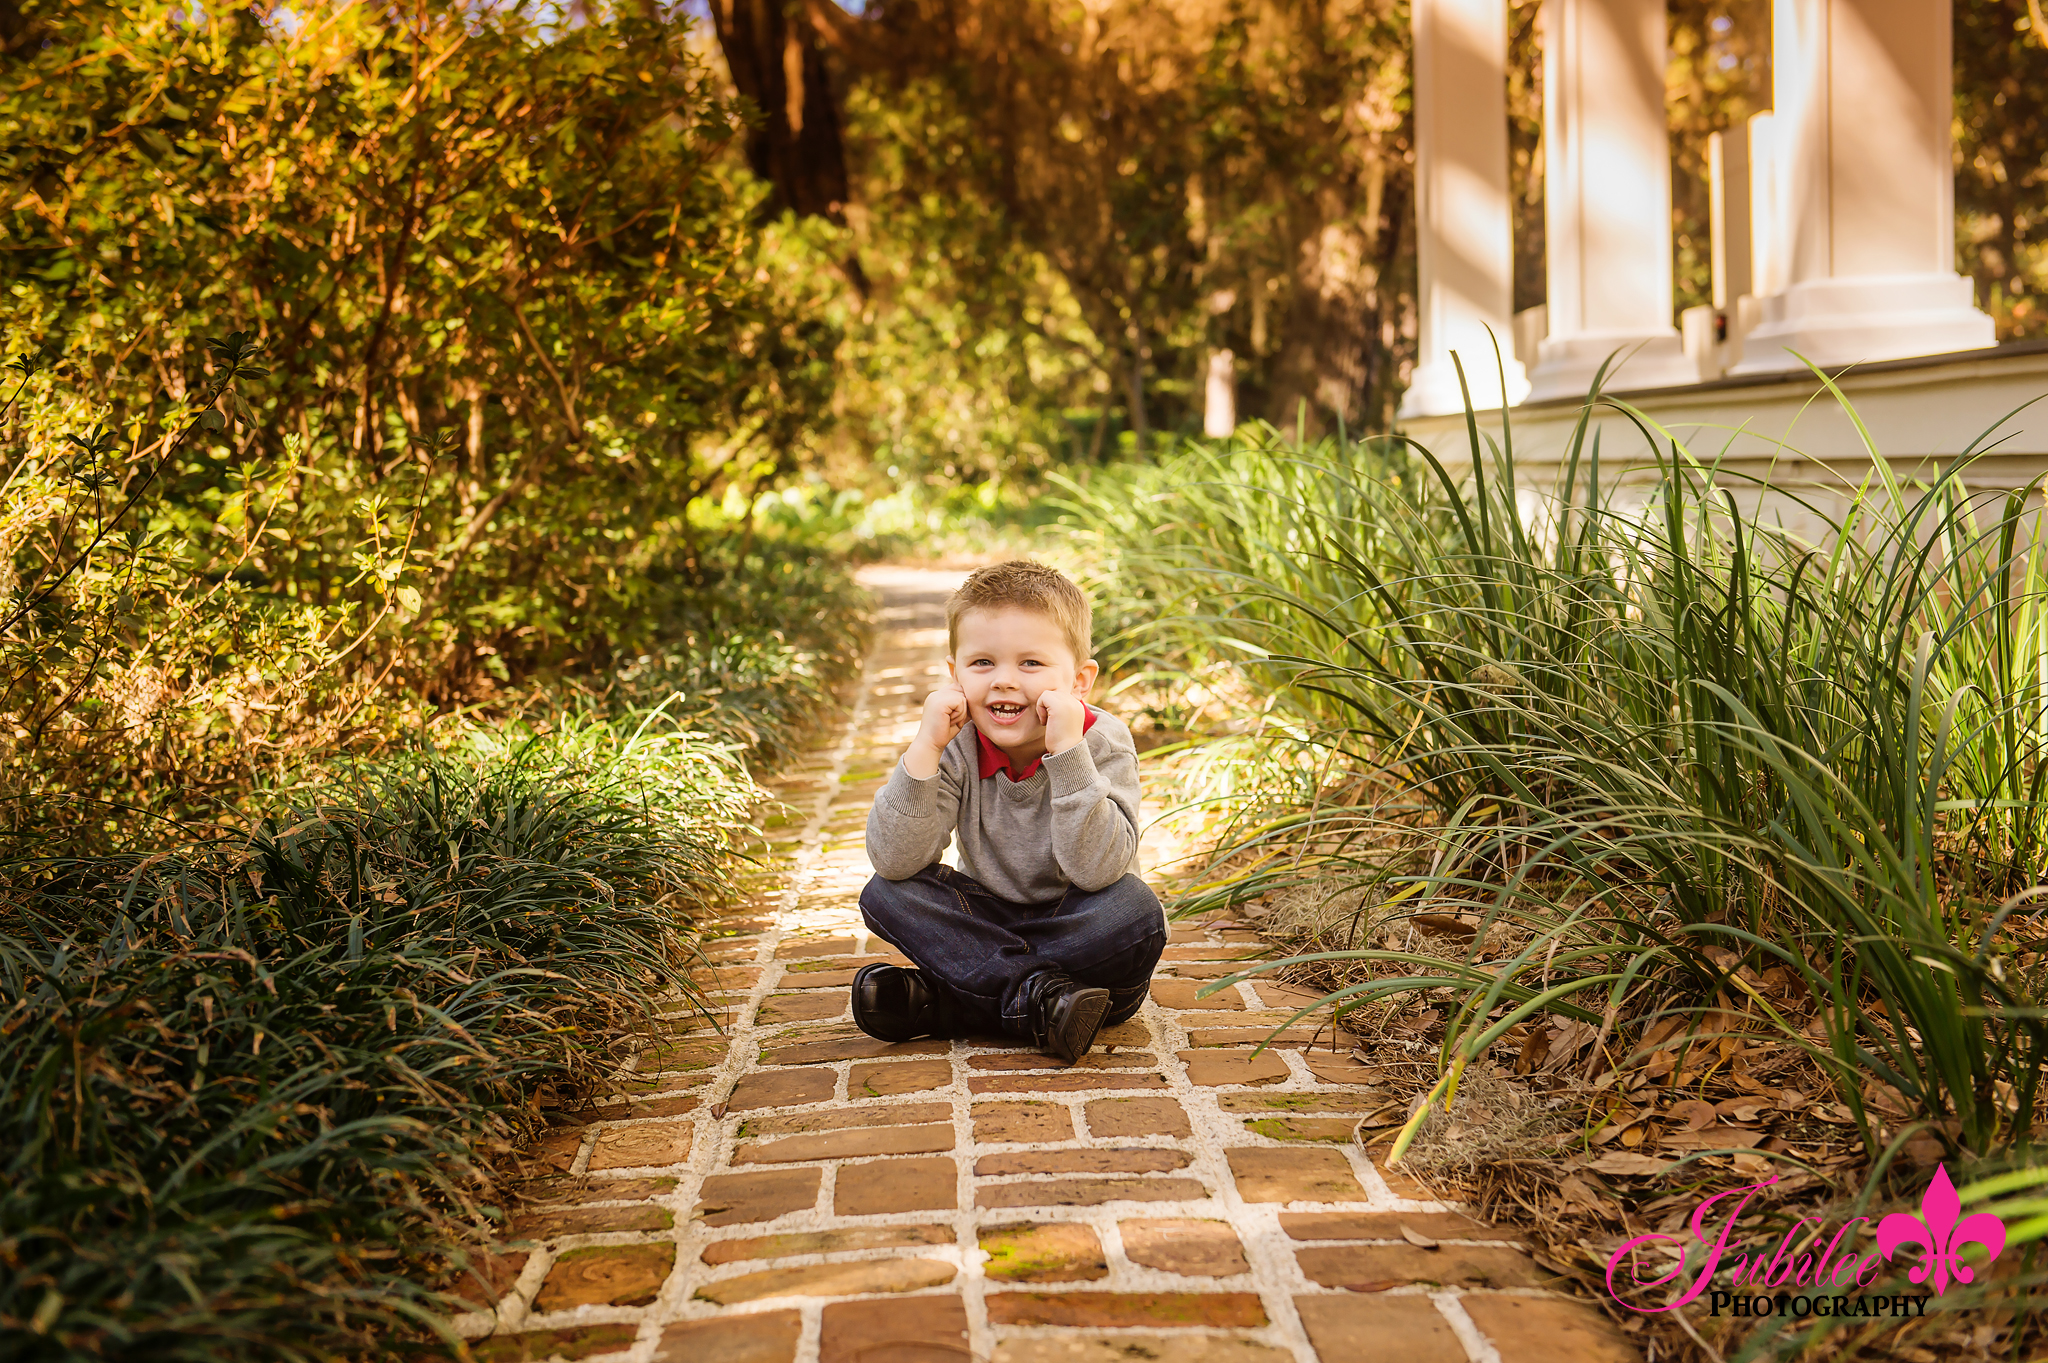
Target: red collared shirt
<point x="994" y="759"/>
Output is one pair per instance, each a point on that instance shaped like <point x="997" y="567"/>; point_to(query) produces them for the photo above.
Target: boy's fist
<point x="1065" y="717"/>
<point x="945" y="715"/>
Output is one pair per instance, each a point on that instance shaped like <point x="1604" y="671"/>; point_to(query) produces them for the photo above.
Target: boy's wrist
<point x="921" y="759"/>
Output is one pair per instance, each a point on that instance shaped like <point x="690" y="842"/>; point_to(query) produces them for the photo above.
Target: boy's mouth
<point x="1007" y="712"/>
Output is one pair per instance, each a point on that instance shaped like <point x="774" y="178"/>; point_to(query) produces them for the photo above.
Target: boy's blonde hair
<point x="1023" y="585"/>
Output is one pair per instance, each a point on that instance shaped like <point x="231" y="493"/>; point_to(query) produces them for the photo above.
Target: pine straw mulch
<point x="1590" y="1140"/>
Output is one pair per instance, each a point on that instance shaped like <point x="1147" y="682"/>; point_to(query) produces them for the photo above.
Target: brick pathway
<point x="793" y="1190"/>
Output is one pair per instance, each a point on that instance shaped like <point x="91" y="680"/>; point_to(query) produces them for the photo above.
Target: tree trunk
<point x="772" y="51"/>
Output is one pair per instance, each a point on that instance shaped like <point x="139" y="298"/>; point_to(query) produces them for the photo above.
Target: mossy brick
<point x="1066" y="1081"/>
<point x="540" y="1346"/>
<point x="1043" y="1252"/>
<point x="549" y="1223"/>
<point x="1333" y="1130"/>
<point x="606" y="1275"/>
<point x="847" y="1240"/>
<point x="829" y="1280"/>
<point x="825" y="1145"/>
<point x="641" y="1145"/>
<point x="809" y="1006"/>
<point x="842" y="1118"/>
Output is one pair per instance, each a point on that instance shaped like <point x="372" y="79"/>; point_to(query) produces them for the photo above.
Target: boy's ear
<point x="1084" y="679"/>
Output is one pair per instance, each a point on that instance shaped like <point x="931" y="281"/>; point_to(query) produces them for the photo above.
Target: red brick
<point x="1358" y="1102"/>
<point x="1080" y="1162"/>
<point x="847" y="1048"/>
<point x="608" y="1275"/>
<point x="1403" y="1327"/>
<point x="844" y="1241"/>
<point x="805" y="947"/>
<point x="1127" y="1310"/>
<point x="1214" y="1069"/>
<point x="1039" y="1122"/>
<point x="1387" y="1226"/>
<point x="1089" y="1192"/>
<point x="881" y="1079"/>
<point x="908" y="1185"/>
<point x="1336" y="1067"/>
<point x="1333" y="1130"/>
<point x="829" y="1280"/>
<point x="898" y="1330"/>
<point x="538" y="1346"/>
<point x="1070" y="1081"/>
<point x="1033" y="1060"/>
<point x="579" y="1192"/>
<point x="1539" y="1330"/>
<point x="1374" y="1268"/>
<point x="882" y="1140"/>
<point x="782" y="1088"/>
<point x="1051" y="1252"/>
<point x="1181" y="994"/>
<point x="541" y="1225"/>
<point x="733" y="1199"/>
<point x="557" y="1149"/>
<point x="1269" y="1175"/>
<point x="641" y="1145"/>
<point x="683" y="1055"/>
<point x="846" y="1118"/>
<point x="1136" y="1117"/>
<point x="668" y="1105"/>
<point x="764" y="1337"/>
<point x="1126" y="1347"/>
<point x="806" y="1007"/>
<point x="497" y="1273"/>
<point x="1185" y="1245"/>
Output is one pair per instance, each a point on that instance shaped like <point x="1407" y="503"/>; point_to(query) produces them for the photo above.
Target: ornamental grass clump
<point x="1660" y="766"/>
<point x="250" y="1087"/>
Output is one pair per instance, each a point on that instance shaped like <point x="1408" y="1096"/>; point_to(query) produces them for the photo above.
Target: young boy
<point x="1045" y="931"/>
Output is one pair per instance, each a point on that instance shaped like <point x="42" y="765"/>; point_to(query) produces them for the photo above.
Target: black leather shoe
<point x="891" y="1003"/>
<point x="1065" y="1016"/>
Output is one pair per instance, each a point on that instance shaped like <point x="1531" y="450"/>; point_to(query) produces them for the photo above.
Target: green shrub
<point x="250" y="1087"/>
<point x="1668" y="745"/>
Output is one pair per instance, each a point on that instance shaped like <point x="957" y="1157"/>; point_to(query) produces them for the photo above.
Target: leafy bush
<point x="1677" y="757"/>
<point x="250" y="1086"/>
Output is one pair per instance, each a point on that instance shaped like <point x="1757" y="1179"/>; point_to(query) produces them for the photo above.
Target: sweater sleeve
<point x="1095" y="807"/>
<point x="911" y="821"/>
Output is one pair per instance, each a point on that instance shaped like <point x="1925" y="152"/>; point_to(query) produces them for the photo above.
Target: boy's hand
<point x="1065" y="717"/>
<point x="945" y="715"/>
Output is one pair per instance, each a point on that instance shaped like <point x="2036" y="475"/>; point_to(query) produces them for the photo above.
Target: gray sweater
<point x="1074" y="821"/>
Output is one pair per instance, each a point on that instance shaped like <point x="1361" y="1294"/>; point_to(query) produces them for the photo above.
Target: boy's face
<point x="1005" y="660"/>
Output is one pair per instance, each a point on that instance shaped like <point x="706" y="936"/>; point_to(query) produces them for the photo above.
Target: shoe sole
<point x="1081" y="1024"/>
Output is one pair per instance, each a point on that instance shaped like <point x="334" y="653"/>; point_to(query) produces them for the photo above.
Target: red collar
<point x="994" y="759"/>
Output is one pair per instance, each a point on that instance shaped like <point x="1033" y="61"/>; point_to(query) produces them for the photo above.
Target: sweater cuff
<point x="1073" y="771"/>
<point x="907" y="795"/>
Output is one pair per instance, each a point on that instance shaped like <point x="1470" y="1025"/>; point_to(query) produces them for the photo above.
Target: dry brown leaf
<point x="1696" y="1114"/>
<point x="1628" y="1163"/>
<point x="1445" y="924"/>
<point x="1715" y="1138"/>
<point x="1741" y="1109"/>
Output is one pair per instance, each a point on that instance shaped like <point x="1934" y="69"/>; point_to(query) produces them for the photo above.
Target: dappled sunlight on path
<point x="790" y="1189"/>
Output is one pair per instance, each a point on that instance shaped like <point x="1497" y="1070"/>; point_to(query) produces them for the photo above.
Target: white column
<point x="1219" y="396"/>
<point x="1464" y="234"/>
<point x="1607" y="200"/>
<point x="1866" y="188"/>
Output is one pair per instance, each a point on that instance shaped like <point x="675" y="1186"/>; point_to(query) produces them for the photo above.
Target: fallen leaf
<point x="1629" y="1163"/>
<point x="1445" y="924"/>
<point x="1715" y="1138"/>
<point x="1697" y="1115"/>
<point x="1741" y="1109"/>
<point x="1416" y="1237"/>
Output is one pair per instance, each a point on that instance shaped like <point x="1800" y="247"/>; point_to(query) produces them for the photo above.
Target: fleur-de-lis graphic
<point x="1940" y="1236"/>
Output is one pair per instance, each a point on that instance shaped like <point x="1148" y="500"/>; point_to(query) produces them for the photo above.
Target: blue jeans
<point x="980" y="950"/>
